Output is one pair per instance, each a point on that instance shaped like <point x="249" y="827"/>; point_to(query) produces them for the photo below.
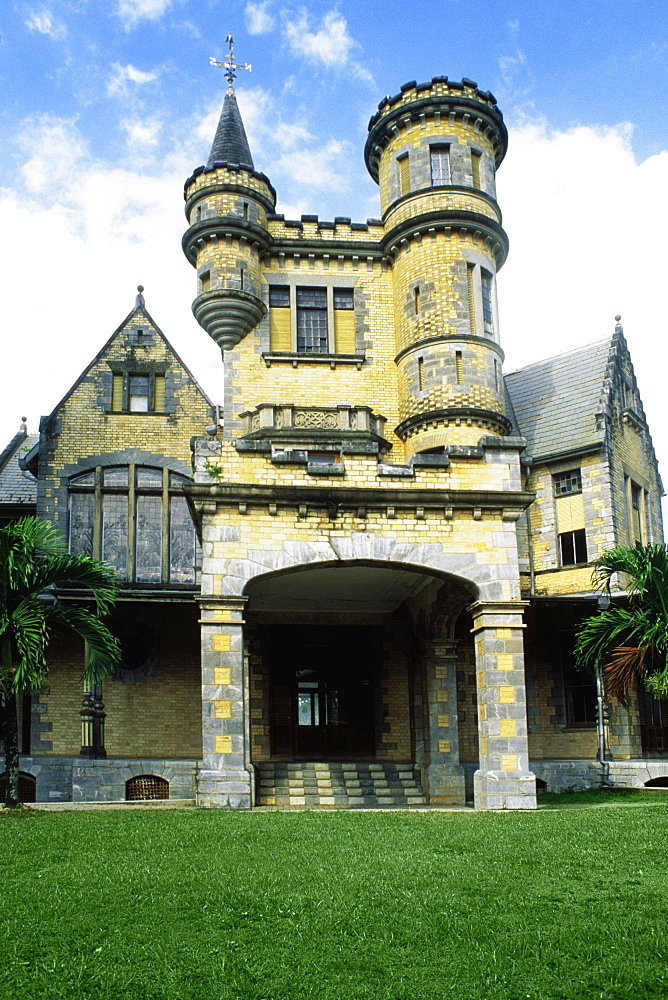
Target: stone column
<point x="225" y="780"/>
<point x="503" y="779"/>
<point x="444" y="775"/>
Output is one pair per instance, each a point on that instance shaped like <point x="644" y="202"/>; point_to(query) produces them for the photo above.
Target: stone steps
<point x="361" y="784"/>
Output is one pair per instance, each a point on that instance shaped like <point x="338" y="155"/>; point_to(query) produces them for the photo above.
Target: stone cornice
<point x="353" y="498"/>
<point x="466" y="338"/>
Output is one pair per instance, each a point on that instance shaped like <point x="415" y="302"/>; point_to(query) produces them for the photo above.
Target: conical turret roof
<point x="230" y="144"/>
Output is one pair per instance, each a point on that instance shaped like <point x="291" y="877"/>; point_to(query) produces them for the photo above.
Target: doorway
<point x="322" y="691"/>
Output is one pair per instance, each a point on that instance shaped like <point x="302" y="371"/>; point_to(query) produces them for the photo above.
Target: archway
<point x="338" y="654"/>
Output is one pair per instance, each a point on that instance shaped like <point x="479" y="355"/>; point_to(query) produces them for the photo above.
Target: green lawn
<point x="562" y="903"/>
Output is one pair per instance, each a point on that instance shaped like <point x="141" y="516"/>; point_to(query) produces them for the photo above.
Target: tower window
<point x="459" y="367"/>
<point x="416" y="295"/>
<point x="440" y="165"/>
<point x="475" y="169"/>
<point x="470" y="271"/>
<point x="487" y="309"/>
<point x="404" y="174"/>
<point x="309" y="320"/>
<point x="312" y="321"/>
<point x="420" y="371"/>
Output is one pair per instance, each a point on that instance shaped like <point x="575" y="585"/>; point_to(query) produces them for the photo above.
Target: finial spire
<point x="139" y="301"/>
<point x="229" y="65"/>
<point x="618" y="324"/>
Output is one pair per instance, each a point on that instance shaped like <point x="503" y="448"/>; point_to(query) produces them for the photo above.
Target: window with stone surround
<point x="579" y="687"/>
<point x="480" y="294"/>
<point x="138" y="392"/>
<point x="136" y="518"/>
<point x="570" y="517"/>
<point x="439" y="159"/>
<point x="311" y="320"/>
<point x="404" y="167"/>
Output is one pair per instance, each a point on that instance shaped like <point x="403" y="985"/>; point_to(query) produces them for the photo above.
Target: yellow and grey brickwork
<point x="369" y="436"/>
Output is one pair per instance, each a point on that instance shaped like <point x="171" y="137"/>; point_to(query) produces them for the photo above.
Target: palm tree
<point x="630" y="640"/>
<point x="33" y="565"/>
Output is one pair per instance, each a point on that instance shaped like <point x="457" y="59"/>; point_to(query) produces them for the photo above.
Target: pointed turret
<point x="227" y="203"/>
<point x="230" y="144"/>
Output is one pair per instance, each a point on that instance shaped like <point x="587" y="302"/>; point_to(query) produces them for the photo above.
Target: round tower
<point x="434" y="150"/>
<point x="227" y="202"/>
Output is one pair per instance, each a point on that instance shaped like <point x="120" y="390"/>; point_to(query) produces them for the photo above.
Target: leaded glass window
<point x="148" y="539"/>
<point x="137" y="519"/>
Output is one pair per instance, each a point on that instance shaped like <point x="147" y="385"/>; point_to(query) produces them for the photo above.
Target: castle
<point x="359" y="583"/>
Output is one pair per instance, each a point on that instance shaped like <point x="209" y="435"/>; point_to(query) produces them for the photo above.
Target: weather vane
<point x="229" y="65"/>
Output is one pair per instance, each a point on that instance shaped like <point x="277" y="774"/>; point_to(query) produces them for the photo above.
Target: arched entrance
<point x="342" y="665"/>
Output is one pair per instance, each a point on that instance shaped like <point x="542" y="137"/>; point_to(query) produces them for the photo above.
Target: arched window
<point x="136" y="518"/>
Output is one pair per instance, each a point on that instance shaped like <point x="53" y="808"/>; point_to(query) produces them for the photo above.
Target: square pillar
<point x="225" y="781"/>
<point x="503" y="779"/>
<point x="443" y="774"/>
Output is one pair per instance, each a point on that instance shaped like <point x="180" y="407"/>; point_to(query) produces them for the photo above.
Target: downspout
<point x="603" y="605"/>
<point x="527" y="514"/>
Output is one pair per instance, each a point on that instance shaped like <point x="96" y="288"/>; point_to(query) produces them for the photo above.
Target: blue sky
<point x="108" y="105"/>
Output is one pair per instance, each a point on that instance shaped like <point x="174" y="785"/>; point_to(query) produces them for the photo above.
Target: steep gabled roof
<point x="17" y="488"/>
<point x="135" y="315"/>
<point x="556" y="401"/>
<point x="230" y="144"/>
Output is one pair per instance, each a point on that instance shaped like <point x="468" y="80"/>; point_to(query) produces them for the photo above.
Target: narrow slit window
<point x="470" y="290"/>
<point x="459" y="367"/>
<point x="420" y="371"/>
<point x="475" y="169"/>
<point x="416" y="297"/>
<point x="487" y="308"/>
<point x="404" y="174"/>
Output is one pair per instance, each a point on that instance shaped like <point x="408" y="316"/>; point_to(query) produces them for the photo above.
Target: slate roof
<point x="556" y="401"/>
<point x="230" y="144"/>
<point x="17" y="486"/>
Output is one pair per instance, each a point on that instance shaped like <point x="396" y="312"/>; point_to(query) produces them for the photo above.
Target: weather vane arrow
<point x="229" y="65"/>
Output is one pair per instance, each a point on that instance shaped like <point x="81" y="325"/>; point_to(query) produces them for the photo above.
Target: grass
<point x="564" y="903"/>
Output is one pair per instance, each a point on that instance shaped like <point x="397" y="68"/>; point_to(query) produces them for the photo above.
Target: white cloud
<point x="258" y="19"/>
<point x="132" y="11"/>
<point x="54" y="150"/>
<point x="100" y="231"/>
<point x="329" y="45"/>
<point x="144" y="133"/>
<point x="316" y="168"/>
<point x="583" y="249"/>
<point x="42" y="21"/>
<point x="122" y="76"/>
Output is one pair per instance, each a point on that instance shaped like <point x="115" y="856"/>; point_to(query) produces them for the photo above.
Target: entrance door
<point x="322" y="692"/>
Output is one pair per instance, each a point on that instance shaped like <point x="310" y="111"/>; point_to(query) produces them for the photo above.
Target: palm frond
<point x="82" y="571"/>
<point x="30" y="634"/>
<point x="103" y="648"/>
